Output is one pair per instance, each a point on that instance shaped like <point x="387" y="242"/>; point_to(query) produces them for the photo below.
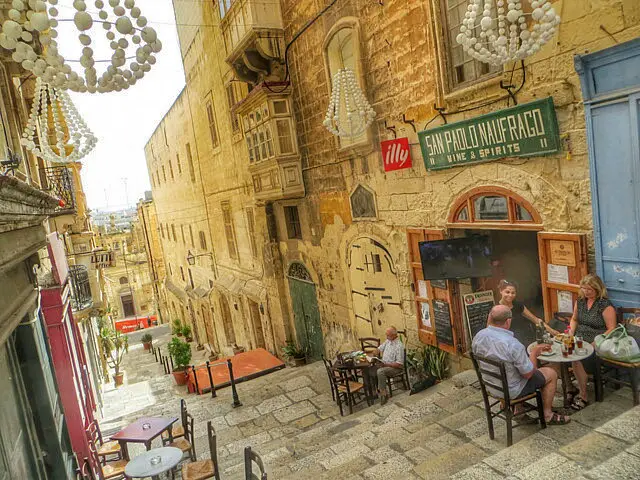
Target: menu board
<point x="442" y="319"/>
<point x="477" y="306"/>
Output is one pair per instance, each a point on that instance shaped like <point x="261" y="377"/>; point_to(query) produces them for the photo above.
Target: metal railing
<point x="58" y="181"/>
<point x="80" y="287"/>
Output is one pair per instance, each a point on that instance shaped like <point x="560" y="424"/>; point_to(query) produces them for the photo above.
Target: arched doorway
<point x="305" y="310"/>
<point x="194" y="322"/>
<point x="256" y="321"/>
<point x="374" y="287"/>
<point x="208" y="326"/>
<point x="227" y="321"/>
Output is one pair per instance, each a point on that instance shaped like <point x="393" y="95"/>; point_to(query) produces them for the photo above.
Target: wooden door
<point x="307" y="317"/>
<point x="128" y="309"/>
<point x="256" y="320"/>
<point x="563" y="262"/>
<point x="440" y="299"/>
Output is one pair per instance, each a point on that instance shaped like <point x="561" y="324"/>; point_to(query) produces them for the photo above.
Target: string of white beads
<point x="349" y="113"/>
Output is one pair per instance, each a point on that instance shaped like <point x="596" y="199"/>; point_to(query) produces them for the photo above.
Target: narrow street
<point x="289" y="418"/>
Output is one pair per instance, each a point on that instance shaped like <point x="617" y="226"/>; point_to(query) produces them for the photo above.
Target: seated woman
<point x="523" y="320"/>
<point x="593" y="314"/>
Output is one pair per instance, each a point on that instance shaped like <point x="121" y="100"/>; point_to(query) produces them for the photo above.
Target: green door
<point x="307" y="317"/>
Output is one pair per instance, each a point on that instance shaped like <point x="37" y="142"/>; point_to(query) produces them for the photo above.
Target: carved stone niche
<point x="363" y="203"/>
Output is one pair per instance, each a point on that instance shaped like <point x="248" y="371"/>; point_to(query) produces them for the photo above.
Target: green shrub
<point x="181" y="353"/>
<point x="186" y="331"/>
<point x="146" y="338"/>
<point x="291" y="350"/>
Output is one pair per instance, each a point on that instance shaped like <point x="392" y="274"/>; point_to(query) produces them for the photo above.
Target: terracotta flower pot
<point x="180" y="377"/>
<point x="189" y="339"/>
<point x="299" y="362"/>
<point x="118" y="379"/>
<point x="147" y="345"/>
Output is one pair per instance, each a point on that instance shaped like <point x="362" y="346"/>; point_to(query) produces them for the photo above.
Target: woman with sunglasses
<point x="522" y="320"/>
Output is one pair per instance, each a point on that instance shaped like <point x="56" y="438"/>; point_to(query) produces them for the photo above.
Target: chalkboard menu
<point x="442" y="318"/>
<point x="477" y="305"/>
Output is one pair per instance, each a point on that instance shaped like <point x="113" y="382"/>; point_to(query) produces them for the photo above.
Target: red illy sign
<point x="396" y="154"/>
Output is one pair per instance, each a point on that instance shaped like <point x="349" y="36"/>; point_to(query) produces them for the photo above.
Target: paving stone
<point x="464" y="378"/>
<point x="419" y="454"/>
<point x="352" y="442"/>
<point x="349" y="469"/>
<point x="241" y="415"/>
<point x="521" y="454"/>
<point x="304" y="393"/>
<point x="252" y="441"/>
<point x="599" y="413"/>
<point x="635" y="449"/>
<point x="450" y="462"/>
<point x="273" y="403"/>
<point x="625" y="427"/>
<point x="382" y="454"/>
<point x="550" y="467"/>
<point x="393" y="468"/>
<point x="623" y="466"/>
<point x="421" y="438"/>
<point x="296" y="383"/>
<point x="293" y="412"/>
<point x="592" y="449"/>
<point x="306" y="421"/>
<point x="340" y="459"/>
<point x="463" y="417"/>
<point x="444" y="443"/>
<point x="565" y="434"/>
<point x="480" y="471"/>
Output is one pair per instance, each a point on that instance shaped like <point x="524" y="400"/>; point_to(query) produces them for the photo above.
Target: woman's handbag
<point x="618" y="345"/>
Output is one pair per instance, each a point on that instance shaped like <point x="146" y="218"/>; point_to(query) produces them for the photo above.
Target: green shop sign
<point x="522" y="131"/>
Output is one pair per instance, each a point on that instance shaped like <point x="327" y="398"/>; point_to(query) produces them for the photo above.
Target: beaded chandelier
<point x="52" y="106"/>
<point x="499" y="31"/>
<point x="32" y="29"/>
<point x="349" y="114"/>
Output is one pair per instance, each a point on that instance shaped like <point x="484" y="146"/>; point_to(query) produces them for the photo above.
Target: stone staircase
<point x="289" y="418"/>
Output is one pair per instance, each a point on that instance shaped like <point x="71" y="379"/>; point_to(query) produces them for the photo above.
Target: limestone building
<point x="526" y="157"/>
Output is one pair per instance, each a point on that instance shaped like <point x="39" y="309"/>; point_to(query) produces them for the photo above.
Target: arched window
<point x="494" y="207"/>
<point x="342" y="50"/>
<point x="123" y="280"/>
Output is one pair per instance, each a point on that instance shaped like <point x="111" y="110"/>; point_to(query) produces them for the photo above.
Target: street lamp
<point x="191" y="258"/>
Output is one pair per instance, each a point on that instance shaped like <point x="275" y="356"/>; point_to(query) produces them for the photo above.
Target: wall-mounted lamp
<point x="191" y="258"/>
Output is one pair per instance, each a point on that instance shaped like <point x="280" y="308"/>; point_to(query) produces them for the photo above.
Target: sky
<point x="124" y="121"/>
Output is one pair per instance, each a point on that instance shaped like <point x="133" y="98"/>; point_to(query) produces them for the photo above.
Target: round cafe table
<point x="141" y="467"/>
<point x="555" y="356"/>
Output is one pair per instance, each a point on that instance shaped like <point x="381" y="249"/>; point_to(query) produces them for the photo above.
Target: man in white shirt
<point x="391" y="353"/>
<point x="496" y="342"/>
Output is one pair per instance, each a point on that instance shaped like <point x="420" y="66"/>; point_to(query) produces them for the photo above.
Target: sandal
<point x="578" y="403"/>
<point x="557" y="419"/>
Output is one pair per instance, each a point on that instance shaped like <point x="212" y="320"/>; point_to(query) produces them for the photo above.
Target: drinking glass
<point x="579" y="342"/>
<point x="146" y="426"/>
<point x="155" y="460"/>
<point x="564" y="349"/>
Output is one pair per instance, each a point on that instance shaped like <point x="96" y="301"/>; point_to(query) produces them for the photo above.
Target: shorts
<point x="535" y="382"/>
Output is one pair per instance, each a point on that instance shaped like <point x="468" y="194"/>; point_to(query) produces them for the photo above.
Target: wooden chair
<point x="369" y="344"/>
<point x="498" y="382"/>
<point x="103" y="449"/>
<point x="615" y="371"/>
<point x="204" y="469"/>
<point x="178" y="430"/>
<point x="251" y="457"/>
<point x="401" y="378"/>
<point x="328" y="366"/>
<point x="83" y="469"/>
<point x="345" y="388"/>
<point x="186" y="443"/>
<point x="108" y="470"/>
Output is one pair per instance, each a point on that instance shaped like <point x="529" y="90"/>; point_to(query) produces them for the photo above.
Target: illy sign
<point x="396" y="154"/>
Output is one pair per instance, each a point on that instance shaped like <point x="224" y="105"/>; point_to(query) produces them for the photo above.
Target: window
<point x="224" y="5"/>
<point x="213" y="133"/>
<point x="184" y="242"/>
<point x="233" y="97"/>
<point x="493" y="205"/>
<point x="171" y="170"/>
<point x="178" y="164"/>
<point x="203" y="240"/>
<point x="190" y="278"/>
<point x="191" y="236"/>
<point x="182" y="273"/>
<point x="293" y="222"/>
<point x="341" y="52"/>
<point x="170" y="270"/>
<point x="123" y="280"/>
<point x="229" y="230"/>
<point x="162" y="230"/>
<point x="251" y="230"/>
<point x="192" y="171"/>
<point x="173" y="231"/>
<point x="153" y="181"/>
<point x="164" y="174"/>
<point x="272" y="118"/>
<point x="158" y="176"/>
<point x="463" y="69"/>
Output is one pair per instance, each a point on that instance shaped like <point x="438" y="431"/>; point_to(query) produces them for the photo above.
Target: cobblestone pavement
<point x="289" y="418"/>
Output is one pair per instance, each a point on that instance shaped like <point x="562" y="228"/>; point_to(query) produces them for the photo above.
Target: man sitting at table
<point x="391" y="352"/>
<point x="496" y="342"/>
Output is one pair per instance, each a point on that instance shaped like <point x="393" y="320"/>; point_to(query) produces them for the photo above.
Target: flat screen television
<point x="467" y="257"/>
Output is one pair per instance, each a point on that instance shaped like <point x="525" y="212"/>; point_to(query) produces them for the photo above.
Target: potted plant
<point x="176" y="327"/>
<point x="186" y="332"/>
<point x="114" y="345"/>
<point x="426" y="366"/>
<point x="146" y="341"/>
<point x="237" y="349"/>
<point x="181" y="353"/>
<point x="295" y="354"/>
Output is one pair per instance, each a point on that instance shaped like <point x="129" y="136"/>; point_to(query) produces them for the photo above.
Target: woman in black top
<point x="593" y="314"/>
<point x="522" y="321"/>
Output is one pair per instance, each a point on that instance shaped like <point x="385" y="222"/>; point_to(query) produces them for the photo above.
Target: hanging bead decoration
<point x="349" y="114"/>
<point x="55" y="105"/>
<point x="497" y="35"/>
<point x="31" y="20"/>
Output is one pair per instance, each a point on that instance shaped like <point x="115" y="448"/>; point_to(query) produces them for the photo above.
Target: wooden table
<point x="365" y="367"/>
<point x="137" y="433"/>
<point x="556" y="357"/>
<point x="141" y="466"/>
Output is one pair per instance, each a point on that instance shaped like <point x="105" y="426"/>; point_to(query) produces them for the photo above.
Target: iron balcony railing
<point x="58" y="181"/>
<point x="80" y="287"/>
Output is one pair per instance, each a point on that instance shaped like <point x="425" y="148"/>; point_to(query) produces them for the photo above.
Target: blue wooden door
<point x="610" y="81"/>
